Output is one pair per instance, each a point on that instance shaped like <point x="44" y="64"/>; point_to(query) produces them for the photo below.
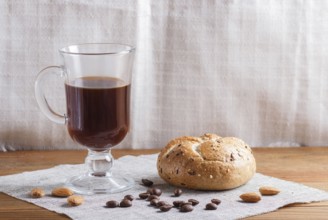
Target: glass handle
<point x="40" y="97"/>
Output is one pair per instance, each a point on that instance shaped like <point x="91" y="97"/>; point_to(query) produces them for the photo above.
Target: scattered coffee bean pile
<point x="153" y="196"/>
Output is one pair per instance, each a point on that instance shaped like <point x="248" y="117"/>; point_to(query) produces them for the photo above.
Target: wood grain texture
<point x="306" y="165"/>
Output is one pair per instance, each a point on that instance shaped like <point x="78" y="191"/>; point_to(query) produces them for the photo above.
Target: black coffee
<point x="98" y="111"/>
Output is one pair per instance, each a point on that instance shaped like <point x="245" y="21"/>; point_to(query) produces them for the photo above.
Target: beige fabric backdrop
<point x="252" y="69"/>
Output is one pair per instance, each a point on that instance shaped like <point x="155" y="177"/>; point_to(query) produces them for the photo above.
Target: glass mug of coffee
<point x="97" y="86"/>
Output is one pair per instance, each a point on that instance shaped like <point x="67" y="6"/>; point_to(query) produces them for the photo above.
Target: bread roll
<point x="209" y="162"/>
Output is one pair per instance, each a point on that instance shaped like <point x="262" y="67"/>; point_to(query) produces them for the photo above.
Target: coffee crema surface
<point x="98" y="111"/>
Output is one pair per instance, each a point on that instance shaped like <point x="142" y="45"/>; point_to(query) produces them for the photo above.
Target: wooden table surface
<point x="306" y="165"/>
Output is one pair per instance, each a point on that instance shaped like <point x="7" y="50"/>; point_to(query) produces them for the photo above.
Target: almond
<point x="37" y="193"/>
<point x="250" y="197"/>
<point x="62" y="192"/>
<point x="269" y="191"/>
<point x="75" y="200"/>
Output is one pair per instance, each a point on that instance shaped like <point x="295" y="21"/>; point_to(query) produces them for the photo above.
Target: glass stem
<point x="99" y="162"/>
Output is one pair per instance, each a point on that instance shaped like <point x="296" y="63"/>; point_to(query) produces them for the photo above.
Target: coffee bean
<point x="129" y="197"/>
<point x="177" y="203"/>
<point x="211" y="206"/>
<point x="165" y="208"/>
<point x="161" y="203"/>
<point x="185" y="203"/>
<point x="186" y="208"/>
<point x="154" y="202"/>
<point x="143" y="195"/>
<point x="151" y="197"/>
<point x="125" y="203"/>
<point x="150" y="191"/>
<point x="193" y="202"/>
<point x="147" y="182"/>
<point x="177" y="192"/>
<point x="112" y="204"/>
<point x="156" y="192"/>
<point x="216" y="201"/>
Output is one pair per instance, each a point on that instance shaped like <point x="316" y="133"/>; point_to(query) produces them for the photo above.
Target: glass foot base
<point x="89" y="184"/>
